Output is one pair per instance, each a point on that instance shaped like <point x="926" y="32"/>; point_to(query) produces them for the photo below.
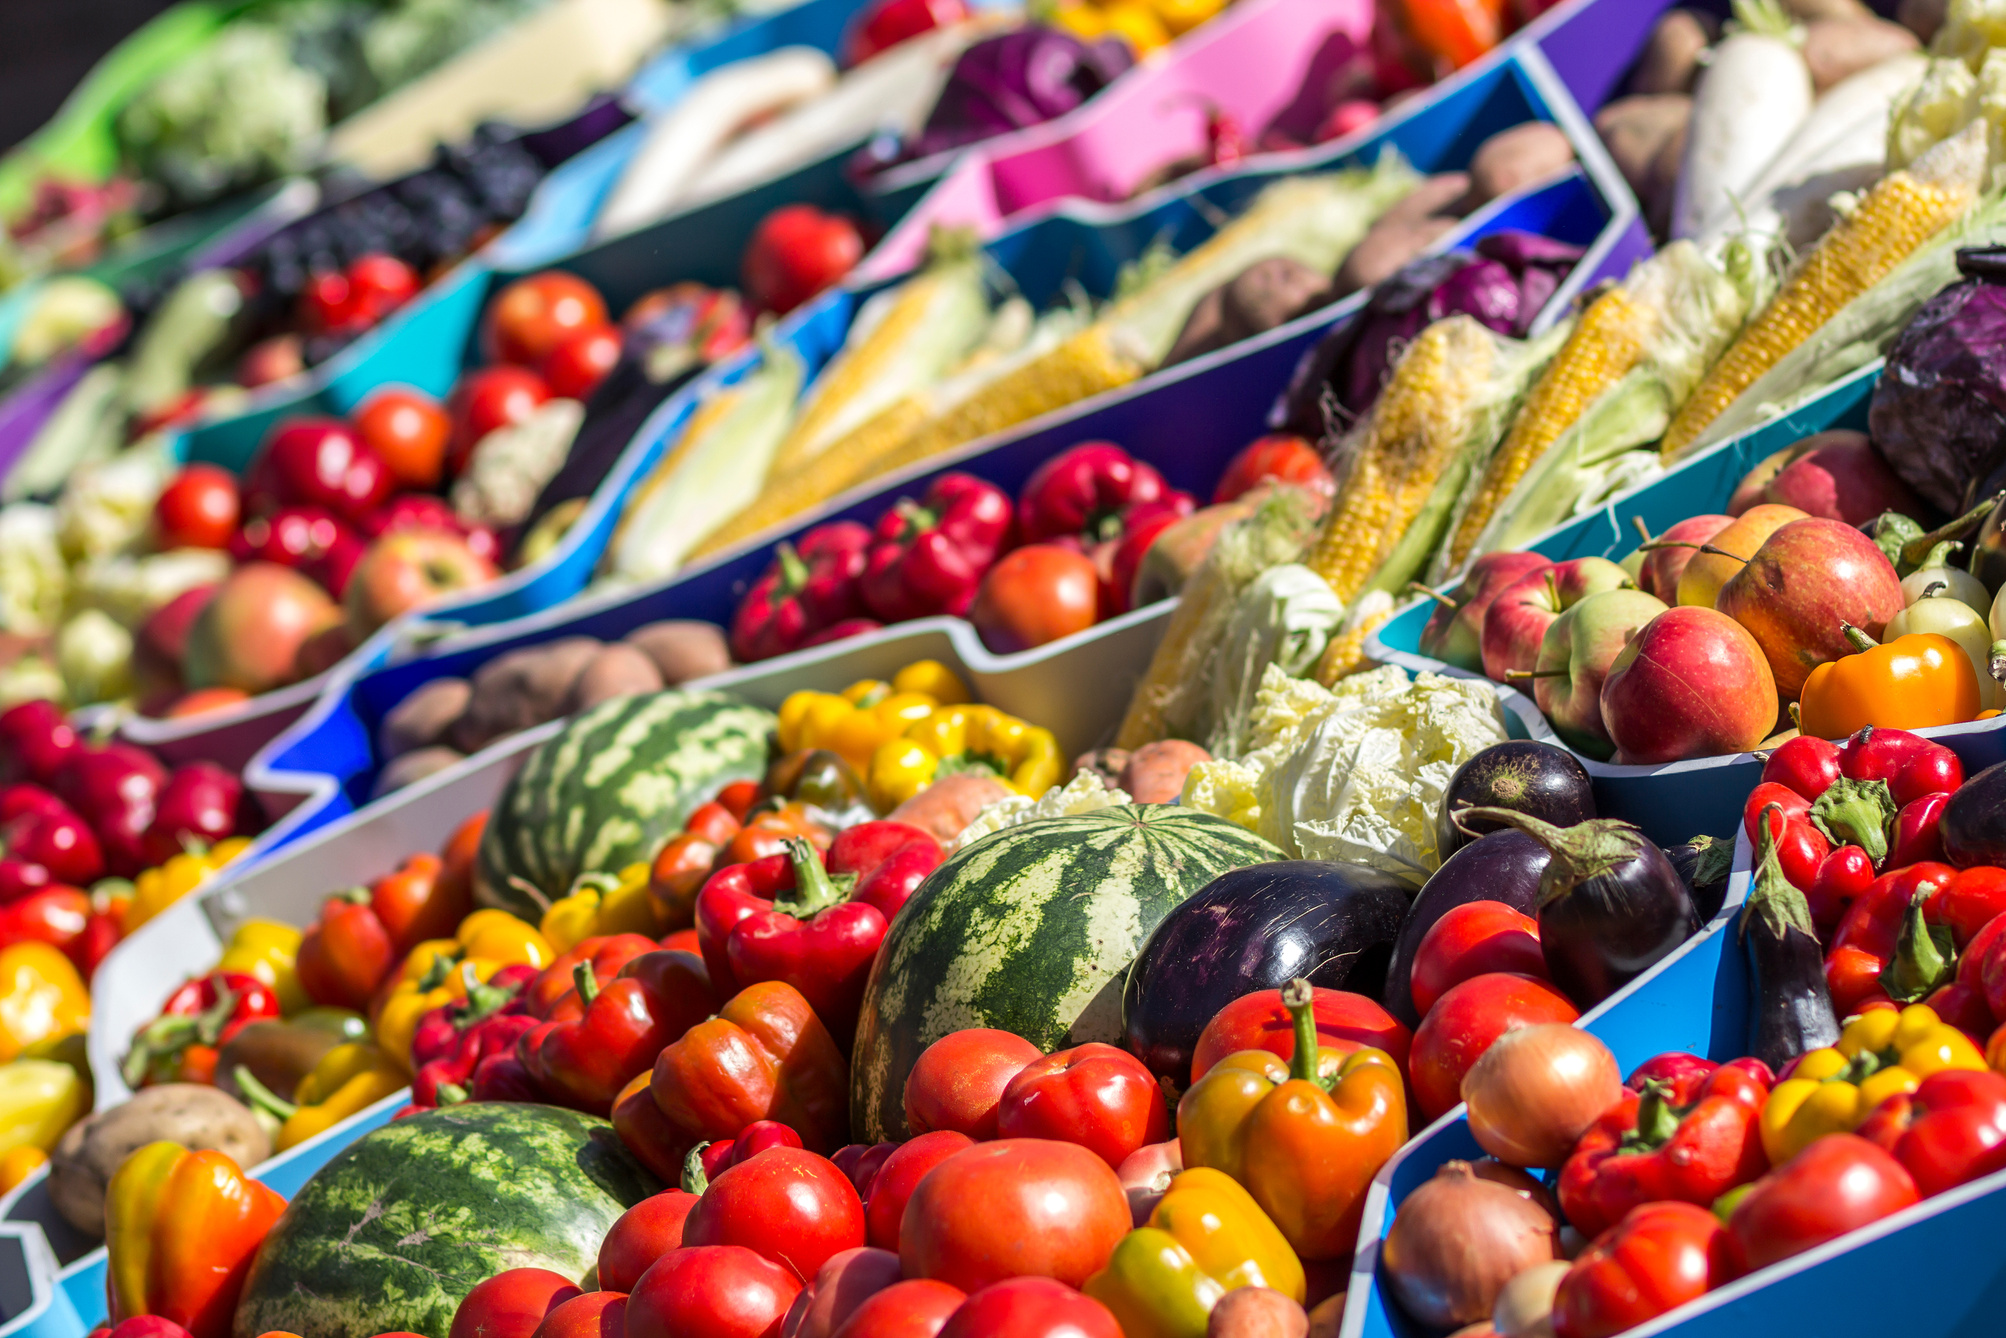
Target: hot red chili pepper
<point x="810" y="588"/>
<point x="1689" y="1140"/>
<point x="928" y="557"/>
<point x="585" y="1061"/>
<point x="449" y="1081"/>
<point x="1841" y="880"/>
<point x="1915" y="836"/>
<point x="345" y="954"/>
<point x="204" y="1013"/>
<point x="442" y="1031"/>
<point x="1950" y="1130"/>
<point x="823" y="939"/>
<point x="54" y="836"/>
<point x="1804" y="764"/>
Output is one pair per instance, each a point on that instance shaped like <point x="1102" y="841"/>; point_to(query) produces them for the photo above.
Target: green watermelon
<point x="611" y="789"/>
<point x="399" y="1227"/>
<point x="1030" y="930"/>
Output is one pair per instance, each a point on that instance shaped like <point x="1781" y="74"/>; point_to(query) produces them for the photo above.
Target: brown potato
<point x="1103" y="762"/>
<point x="949" y="804"/>
<point x="1837" y="49"/>
<point x="193" y="1115"/>
<point x="1671" y="59"/>
<point x="1155" y="772"/>
<point x="1922" y="17"/>
<point x="1268" y="293"/>
<point x="1438" y="194"/>
<point x="412" y="767"/>
<point x="1201" y="328"/>
<point x="618" y="670"/>
<point x="1635" y="130"/>
<point x="1516" y="158"/>
<point x="1663" y="184"/>
<point x="683" y="649"/>
<point x="1384" y="249"/>
<point x="1256" y="1312"/>
<point x="422" y="718"/>
<point x="522" y="688"/>
<point x="1326" y="1317"/>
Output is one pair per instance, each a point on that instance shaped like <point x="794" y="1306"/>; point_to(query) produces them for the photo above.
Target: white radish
<point x="1752" y="98"/>
<point x="684" y="140"/>
<point x="1841" y="146"/>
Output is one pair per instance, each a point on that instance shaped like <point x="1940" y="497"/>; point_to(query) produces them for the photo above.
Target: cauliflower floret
<point x="107" y="507"/>
<point x="1084" y="793"/>
<point x="95" y="657"/>
<point x="34" y="581"/>
<point x="130" y="588"/>
<point x="1970" y="28"/>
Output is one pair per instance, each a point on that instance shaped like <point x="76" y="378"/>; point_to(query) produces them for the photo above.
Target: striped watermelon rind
<point x="1030" y="930"/>
<point x="390" y="1235"/>
<point x="611" y="788"/>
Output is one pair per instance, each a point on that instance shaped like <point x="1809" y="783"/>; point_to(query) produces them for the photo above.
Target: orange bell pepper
<point x="1912" y="682"/>
<point x="765" y="1056"/>
<point x="1304" y="1136"/>
<point x="1452" y="33"/>
<point x="181" y="1229"/>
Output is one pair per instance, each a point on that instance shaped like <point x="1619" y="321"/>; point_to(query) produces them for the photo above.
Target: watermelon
<point x="611" y="789"/>
<point x="390" y="1235"/>
<point x="1030" y="930"/>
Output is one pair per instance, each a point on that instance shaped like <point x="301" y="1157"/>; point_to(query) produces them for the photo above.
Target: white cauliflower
<point x="1353" y="773"/>
<point x="34" y="580"/>
<point x="107" y="507"/>
<point x="1084" y="793"/>
<point x="95" y="656"/>
<point x="1942" y="103"/>
<point x="129" y="588"/>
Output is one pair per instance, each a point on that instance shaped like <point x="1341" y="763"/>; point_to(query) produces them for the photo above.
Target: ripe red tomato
<point x="1018" y="1207"/>
<point x="837" y="1289"/>
<point x="898" y="1175"/>
<point x="1660" y="1256"/>
<point x="199" y="509"/>
<point x="644" y="1233"/>
<point x="958" y="1081"/>
<point x="796" y="252"/>
<point x="511" y="1304"/>
<point x="600" y="1314"/>
<point x="1464" y="1022"/>
<point x="1474" y="939"/>
<point x="1258" y="1021"/>
<point x="1840" y="1183"/>
<point x="1037" y="594"/>
<point x="575" y="367"/>
<point x="409" y="429"/>
<point x="915" y="1309"/>
<point x="487" y="399"/>
<point x="533" y="315"/>
<point x="1031" y="1308"/>
<point x="711" y="1291"/>
<point x="787" y="1203"/>
<point x="1094" y="1095"/>
<point x="1281" y="456"/>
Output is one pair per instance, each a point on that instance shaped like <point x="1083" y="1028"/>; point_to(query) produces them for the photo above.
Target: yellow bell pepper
<point x="1881" y="1053"/>
<point x="349" y="1078"/>
<point x="1137" y="23"/>
<point x="17" y="1164"/>
<point x="855" y="722"/>
<point x="1181" y="16"/>
<point x="1205" y="1237"/>
<point x="269" y="951"/>
<point x="601" y="904"/>
<point x="41" y="997"/>
<point x="963" y="738"/>
<point x="39" y="1100"/>
<point x="158" y="888"/>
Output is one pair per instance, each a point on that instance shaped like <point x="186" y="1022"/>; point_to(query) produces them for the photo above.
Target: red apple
<point x="1691" y="683"/>
<point x="1755" y="483"/>
<point x="1518" y="618"/>
<point x="1804" y="582"/>
<point x="407" y="569"/>
<point x="163" y="640"/>
<point x="1663" y="566"/>
<point x="1706" y="573"/>
<point x="1837" y="475"/>
<point x="1574" y="659"/>
<point x="1455" y="630"/>
<point x="250" y="633"/>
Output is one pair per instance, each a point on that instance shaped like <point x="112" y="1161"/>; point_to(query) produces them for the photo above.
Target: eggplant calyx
<point x="1774" y="899"/>
<point x="1915" y="553"/>
<point x="1925" y="955"/>
<point x="1856" y="812"/>
<point x="1714" y="862"/>
<point x="1657" y="1120"/>
<point x="1300" y="999"/>
<point x="1593" y="848"/>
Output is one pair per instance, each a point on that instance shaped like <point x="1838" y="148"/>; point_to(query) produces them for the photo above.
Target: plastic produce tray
<point x="1945" y="1250"/>
<point x="1675" y="800"/>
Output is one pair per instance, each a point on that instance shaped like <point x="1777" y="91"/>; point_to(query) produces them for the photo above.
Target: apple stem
<point x="1643" y="529"/>
<point x="1722" y="552"/>
<point x="1995" y="661"/>
<point x="1796" y="716"/>
<point x="1513" y="675"/>
<point x="1653" y="545"/>
<point x="1442" y="599"/>
<point x="1861" y="641"/>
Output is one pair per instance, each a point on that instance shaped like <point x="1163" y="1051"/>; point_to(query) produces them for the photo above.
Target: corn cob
<point x="1345" y="655"/>
<point x="1904" y="210"/>
<point x="1609" y="340"/>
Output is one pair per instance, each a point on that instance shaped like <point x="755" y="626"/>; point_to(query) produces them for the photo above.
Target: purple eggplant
<point x="1502" y="866"/>
<point x="1703" y="864"/>
<point x="1536" y="778"/>
<point x="1255" y="929"/>
<point x="1792" y="1011"/>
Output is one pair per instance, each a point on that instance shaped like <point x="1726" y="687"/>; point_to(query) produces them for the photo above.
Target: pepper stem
<point x="261" y="1097"/>
<point x="793" y="571"/>
<point x="1859" y="640"/>
<point x="1915" y="552"/>
<point x="586" y="983"/>
<point x="1925" y="954"/>
<point x="814" y="889"/>
<point x="451" y="1094"/>
<point x="1856" y="812"/>
<point x="694" y="1180"/>
<point x="1657" y="1119"/>
<point x="1300" y="999"/>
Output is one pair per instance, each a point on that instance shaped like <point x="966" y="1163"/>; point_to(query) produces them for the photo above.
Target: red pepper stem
<point x="1300" y="999"/>
<point x="1925" y="955"/>
<point x="354" y="896"/>
<point x="451" y="1094"/>
<point x="1657" y="1119"/>
<point x="793" y="571"/>
<point x="814" y="890"/>
<point x="694" y="1180"/>
<point x="587" y="983"/>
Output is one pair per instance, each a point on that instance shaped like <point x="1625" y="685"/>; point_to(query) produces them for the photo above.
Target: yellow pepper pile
<point x="902" y="735"/>
<point x="438" y="971"/>
<point x="158" y="888"/>
<point x="1143" y="24"/>
<point x="269" y="952"/>
<point x="1881" y="1053"/>
<point x="601" y="904"/>
<point x="349" y="1078"/>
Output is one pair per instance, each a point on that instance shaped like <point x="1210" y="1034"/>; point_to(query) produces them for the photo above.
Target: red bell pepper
<point x="205" y="1012"/>
<point x="1911" y="765"/>
<point x="1842" y="879"/>
<point x="927" y="557"/>
<point x="1839" y="1183"/>
<point x="55" y="915"/>
<point x="1690" y="1139"/>
<point x="56" y="837"/>
<point x="765" y="1056"/>
<point x="823" y="939"/>
<point x="1080" y="495"/>
<point x="450" y="1080"/>
<point x="809" y="590"/>
<point x="439" y="1032"/>
<point x="1916" y="838"/>
<point x="1095" y="1095"/>
<point x="1871" y="934"/>
<point x="607" y="953"/>
<point x="1281" y="457"/>
<point x="346" y="953"/>
<point x="585" y="1061"/>
<point x="1660" y="1256"/>
<point x="1803" y="764"/>
<point x="1950" y="1130"/>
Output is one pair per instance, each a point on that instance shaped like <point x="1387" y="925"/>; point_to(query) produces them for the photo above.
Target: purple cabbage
<point x="1503" y="284"/>
<point x="1939" y="410"/>
<point x="1021" y="78"/>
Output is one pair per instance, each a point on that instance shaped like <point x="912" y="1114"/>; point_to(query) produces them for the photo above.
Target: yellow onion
<point x="1457" y="1241"/>
<point x="1536" y="1090"/>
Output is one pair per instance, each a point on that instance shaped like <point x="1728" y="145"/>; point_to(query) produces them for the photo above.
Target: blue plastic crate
<point x="1944" y="1251"/>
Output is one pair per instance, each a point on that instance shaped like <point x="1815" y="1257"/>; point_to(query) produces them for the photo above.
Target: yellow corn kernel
<point x="1086" y="364"/>
<point x="1345" y="655"/>
<point x="1609" y="340"/>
